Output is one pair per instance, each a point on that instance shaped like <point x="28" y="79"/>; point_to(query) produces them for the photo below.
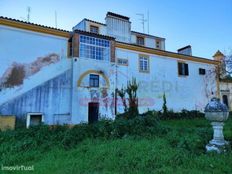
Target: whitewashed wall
<point x="24" y="46"/>
<point x="119" y="28"/>
<point x="190" y="92"/>
<point x="83" y="94"/>
<point x="149" y="42"/>
<point x="47" y="73"/>
<point x="102" y="28"/>
<point x="226" y="89"/>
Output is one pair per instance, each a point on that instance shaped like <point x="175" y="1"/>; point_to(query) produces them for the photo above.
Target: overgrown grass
<point x="152" y="146"/>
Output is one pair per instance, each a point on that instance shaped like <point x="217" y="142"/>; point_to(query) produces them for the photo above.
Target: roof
<point x="117" y="15"/>
<point x="183" y="48"/>
<point x="152" y="36"/>
<point x="94" y="34"/>
<point x="218" y="53"/>
<point x="93" y="21"/>
<point x="148" y="50"/>
<point x="64" y="33"/>
<point x="33" y="27"/>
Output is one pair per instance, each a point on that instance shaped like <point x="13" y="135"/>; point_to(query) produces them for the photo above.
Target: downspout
<point x="116" y="89"/>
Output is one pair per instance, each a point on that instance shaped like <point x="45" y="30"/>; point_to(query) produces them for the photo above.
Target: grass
<point x="180" y="150"/>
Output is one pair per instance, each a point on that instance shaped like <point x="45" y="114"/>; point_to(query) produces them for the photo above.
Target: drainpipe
<point x="116" y="90"/>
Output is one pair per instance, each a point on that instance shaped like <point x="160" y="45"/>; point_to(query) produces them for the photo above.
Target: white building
<point x="71" y="77"/>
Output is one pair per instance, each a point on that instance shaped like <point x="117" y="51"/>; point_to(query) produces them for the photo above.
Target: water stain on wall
<point x="17" y="72"/>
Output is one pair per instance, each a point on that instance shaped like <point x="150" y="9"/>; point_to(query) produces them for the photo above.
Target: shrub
<point x="192" y="140"/>
<point x="131" y="92"/>
<point x="165" y="109"/>
<point x="144" y="125"/>
<point x="184" y="114"/>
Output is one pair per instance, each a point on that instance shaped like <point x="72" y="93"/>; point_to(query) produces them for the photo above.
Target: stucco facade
<point x="49" y="71"/>
<point x="226" y="92"/>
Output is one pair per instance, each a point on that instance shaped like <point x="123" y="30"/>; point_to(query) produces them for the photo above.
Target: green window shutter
<point x="180" y="68"/>
<point x="186" y="69"/>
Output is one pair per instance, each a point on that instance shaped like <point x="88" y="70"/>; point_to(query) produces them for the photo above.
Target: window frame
<point x="185" y="72"/>
<point x="158" y="42"/>
<point x="202" y="71"/>
<point x="94" y="26"/>
<point x="93" y="85"/>
<point x="141" y="56"/>
<point x="30" y="115"/>
<point x="94" y="48"/>
<point x="122" y="59"/>
<point x="137" y="40"/>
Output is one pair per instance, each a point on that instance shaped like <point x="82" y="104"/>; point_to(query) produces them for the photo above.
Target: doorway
<point x="225" y="100"/>
<point x="93" y="112"/>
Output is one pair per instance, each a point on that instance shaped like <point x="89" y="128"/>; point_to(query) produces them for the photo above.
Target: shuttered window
<point x="183" y="69"/>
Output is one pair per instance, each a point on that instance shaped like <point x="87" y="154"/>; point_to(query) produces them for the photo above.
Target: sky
<point x="206" y="25"/>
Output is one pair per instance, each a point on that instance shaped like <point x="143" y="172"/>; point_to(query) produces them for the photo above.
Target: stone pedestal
<point x="217" y="113"/>
<point x="218" y="142"/>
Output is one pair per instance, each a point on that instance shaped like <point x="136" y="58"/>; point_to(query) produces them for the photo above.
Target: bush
<point x="184" y="114"/>
<point x="143" y="125"/>
<point x="190" y="140"/>
<point x="164" y="107"/>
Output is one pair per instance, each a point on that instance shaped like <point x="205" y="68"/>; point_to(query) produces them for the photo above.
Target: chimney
<point x="187" y="50"/>
<point x="118" y="26"/>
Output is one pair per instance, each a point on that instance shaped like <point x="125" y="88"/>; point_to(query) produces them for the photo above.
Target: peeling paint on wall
<point x="17" y="72"/>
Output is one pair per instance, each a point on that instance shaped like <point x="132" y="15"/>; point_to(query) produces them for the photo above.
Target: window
<point x="158" y="44"/>
<point x="140" y="40"/>
<point x="94" y="48"/>
<point x="122" y="61"/>
<point x="34" y="119"/>
<point x="70" y="49"/>
<point x="93" y="80"/>
<point x="201" y="71"/>
<point x="183" y="69"/>
<point x="144" y="64"/>
<point x="94" y="29"/>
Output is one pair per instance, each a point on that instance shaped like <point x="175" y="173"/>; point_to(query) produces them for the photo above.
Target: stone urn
<point x="217" y="113"/>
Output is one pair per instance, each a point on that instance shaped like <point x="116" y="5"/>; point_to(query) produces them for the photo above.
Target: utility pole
<point x="55" y="19"/>
<point x="143" y="20"/>
<point x="28" y="13"/>
<point x="148" y="21"/>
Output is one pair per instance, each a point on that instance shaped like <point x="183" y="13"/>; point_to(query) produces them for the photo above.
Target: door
<point x="93" y="112"/>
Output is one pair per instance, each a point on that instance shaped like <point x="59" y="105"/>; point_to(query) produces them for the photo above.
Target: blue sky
<point x="204" y="24"/>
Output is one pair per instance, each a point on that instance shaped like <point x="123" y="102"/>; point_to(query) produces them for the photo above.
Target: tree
<point x="131" y="90"/>
<point x="131" y="103"/>
<point x="122" y="94"/>
<point x="165" y="109"/>
<point x="227" y="62"/>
